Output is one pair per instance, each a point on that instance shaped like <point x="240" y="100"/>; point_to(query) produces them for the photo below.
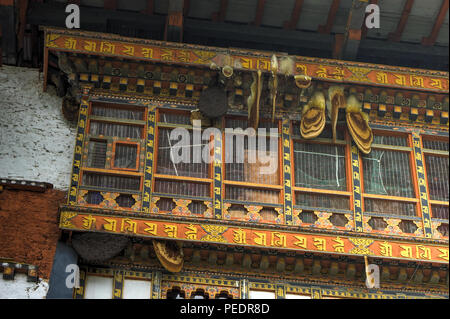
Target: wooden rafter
<point x="186" y="7"/>
<point x="437" y="25"/>
<point x="397" y="34"/>
<point x="259" y="12"/>
<point x="110" y="4"/>
<point x="364" y="28"/>
<point x="23" y="6"/>
<point x="219" y="16"/>
<point x="295" y="15"/>
<point x="174" y="24"/>
<point x="326" y="28"/>
<point x="149" y="8"/>
<point x="347" y="47"/>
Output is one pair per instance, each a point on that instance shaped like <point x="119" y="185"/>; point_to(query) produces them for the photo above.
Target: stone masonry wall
<point x="36" y="142"/>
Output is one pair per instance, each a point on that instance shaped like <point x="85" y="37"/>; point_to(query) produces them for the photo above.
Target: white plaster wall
<point x="36" y="142"/>
<point x="19" y="288"/>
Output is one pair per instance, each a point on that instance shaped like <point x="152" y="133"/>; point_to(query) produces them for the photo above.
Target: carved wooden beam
<point x="397" y="34"/>
<point x="295" y="15"/>
<point x="437" y="25"/>
<point x="326" y="28"/>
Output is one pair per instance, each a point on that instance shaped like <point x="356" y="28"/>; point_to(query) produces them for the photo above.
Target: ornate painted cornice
<point x="101" y="44"/>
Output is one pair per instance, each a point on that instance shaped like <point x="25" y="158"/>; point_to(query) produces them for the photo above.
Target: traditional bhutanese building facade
<point x="360" y="176"/>
<point x="146" y="227"/>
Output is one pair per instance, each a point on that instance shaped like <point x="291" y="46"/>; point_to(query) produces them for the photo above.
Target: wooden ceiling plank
<point x="429" y="41"/>
<point x="259" y="12"/>
<point x="397" y="34"/>
<point x="295" y="16"/>
<point x="326" y="28"/>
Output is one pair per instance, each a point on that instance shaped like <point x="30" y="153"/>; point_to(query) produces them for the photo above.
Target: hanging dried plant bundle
<point x="170" y="254"/>
<point x="274" y="86"/>
<point x="358" y="124"/>
<point x="313" y="116"/>
<point x="337" y="100"/>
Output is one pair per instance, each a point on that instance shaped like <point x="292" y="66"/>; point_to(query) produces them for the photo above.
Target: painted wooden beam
<point x="220" y="15"/>
<point x="326" y="28"/>
<point x="397" y="34"/>
<point x="259" y="12"/>
<point x="295" y="16"/>
<point x="429" y="41"/>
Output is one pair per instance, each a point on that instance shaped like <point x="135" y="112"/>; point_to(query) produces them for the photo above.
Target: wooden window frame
<point x="113" y="155"/>
<point x="412" y="168"/>
<point x="157" y="176"/>
<point x="111" y="143"/>
<point x="346" y="144"/>
<point x="437" y="153"/>
<point x="275" y="187"/>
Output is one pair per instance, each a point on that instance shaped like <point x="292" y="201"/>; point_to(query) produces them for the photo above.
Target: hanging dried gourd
<point x="170" y="254"/>
<point x="358" y="124"/>
<point x="313" y="116"/>
<point x="254" y="99"/>
<point x="336" y="101"/>
<point x="274" y="85"/>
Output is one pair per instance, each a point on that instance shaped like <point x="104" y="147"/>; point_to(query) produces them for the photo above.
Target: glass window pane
<point x="136" y="289"/>
<point x="252" y="194"/>
<point x="437" y="175"/>
<point x="390" y="207"/>
<point x="107" y="110"/>
<point x="430" y="144"/>
<point x="169" y="149"/>
<point x="118" y="130"/>
<point x="96" y="154"/>
<point x="125" y="156"/>
<point x="319" y="166"/>
<point x="98" y="287"/>
<point x="252" y="162"/>
<point x="390" y="140"/>
<point x="387" y="173"/>
<point x="322" y="200"/>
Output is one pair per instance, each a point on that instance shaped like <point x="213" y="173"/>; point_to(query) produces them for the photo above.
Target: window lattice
<point x="387" y="173"/>
<point x="319" y="166"/>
